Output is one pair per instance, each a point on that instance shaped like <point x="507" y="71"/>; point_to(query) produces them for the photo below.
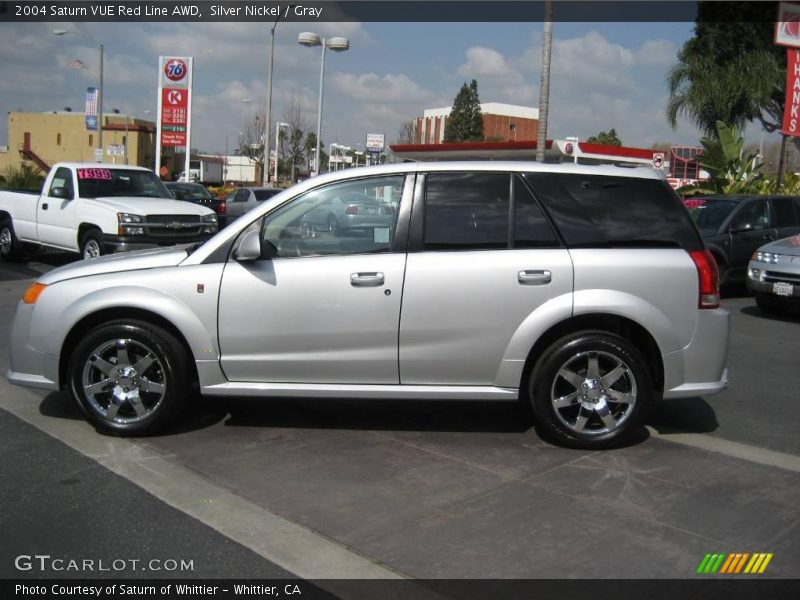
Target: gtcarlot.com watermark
<point x="45" y="563"/>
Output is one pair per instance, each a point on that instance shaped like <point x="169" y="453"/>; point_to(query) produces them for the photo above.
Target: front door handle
<point x="44" y="206"/>
<point x="366" y="279"/>
<point x="534" y="277"/>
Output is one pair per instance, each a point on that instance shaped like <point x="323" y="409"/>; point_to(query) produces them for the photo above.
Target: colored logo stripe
<point x="735" y="563"/>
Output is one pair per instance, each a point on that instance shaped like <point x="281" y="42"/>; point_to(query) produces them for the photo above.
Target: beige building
<point x="43" y="139"/>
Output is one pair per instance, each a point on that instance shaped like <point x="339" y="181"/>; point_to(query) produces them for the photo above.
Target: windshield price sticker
<point x="94" y="174"/>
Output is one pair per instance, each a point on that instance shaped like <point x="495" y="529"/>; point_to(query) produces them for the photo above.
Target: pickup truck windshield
<point x="106" y="183"/>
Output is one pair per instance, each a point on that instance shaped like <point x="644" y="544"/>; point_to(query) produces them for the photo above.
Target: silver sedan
<point x="773" y="275"/>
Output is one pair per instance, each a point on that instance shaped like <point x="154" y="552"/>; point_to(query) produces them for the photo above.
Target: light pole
<point x="278" y="126"/>
<point x="99" y="89"/>
<point x="337" y="44"/>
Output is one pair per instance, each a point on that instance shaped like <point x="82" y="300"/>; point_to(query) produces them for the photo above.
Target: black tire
<point x="593" y="400"/>
<point x="9" y="244"/>
<point x="92" y="244"/>
<point x="131" y="403"/>
<point x="771" y="307"/>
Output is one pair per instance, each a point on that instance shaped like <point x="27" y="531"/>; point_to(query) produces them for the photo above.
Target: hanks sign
<point x="791" y="115"/>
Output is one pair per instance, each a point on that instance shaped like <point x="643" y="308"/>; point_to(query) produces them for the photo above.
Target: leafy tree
<point x="731" y="70"/>
<point x="21" y="178"/>
<point x="730" y="170"/>
<point x="609" y="138"/>
<point x="465" y="123"/>
<point x="406" y="134"/>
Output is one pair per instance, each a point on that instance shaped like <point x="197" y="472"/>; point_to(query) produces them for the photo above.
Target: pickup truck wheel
<point x="130" y="377"/>
<point x="9" y="244"/>
<point x="92" y="244"/>
<point x="591" y="390"/>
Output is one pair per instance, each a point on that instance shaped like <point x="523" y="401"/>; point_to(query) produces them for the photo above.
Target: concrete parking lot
<point x="468" y="490"/>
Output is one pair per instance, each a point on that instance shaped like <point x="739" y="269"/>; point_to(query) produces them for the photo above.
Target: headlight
<point x="126" y="226"/>
<point x="209" y="223"/>
<point x="767" y="257"/>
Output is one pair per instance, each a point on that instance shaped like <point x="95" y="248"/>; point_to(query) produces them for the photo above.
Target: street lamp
<point x="99" y="89"/>
<point x="337" y="44"/>
<point x="278" y="126"/>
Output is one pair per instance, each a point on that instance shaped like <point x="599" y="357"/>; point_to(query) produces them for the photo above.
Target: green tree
<point x="730" y="170"/>
<point x="465" y="123"/>
<point x="608" y="138"/>
<point x="731" y="70"/>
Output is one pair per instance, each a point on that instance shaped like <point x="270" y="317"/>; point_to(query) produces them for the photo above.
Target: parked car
<point x="773" y="275"/>
<point x="244" y="199"/>
<point x="585" y="290"/>
<point x="199" y="194"/>
<point x="734" y="226"/>
<point x="344" y="213"/>
<point x="95" y="208"/>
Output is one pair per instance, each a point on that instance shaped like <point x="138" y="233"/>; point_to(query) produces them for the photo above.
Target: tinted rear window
<point x="611" y="212"/>
<point x="262" y="195"/>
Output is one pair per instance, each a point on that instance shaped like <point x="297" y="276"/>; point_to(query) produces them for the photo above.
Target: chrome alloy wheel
<point x="123" y="381"/>
<point x="593" y="393"/>
<point x="91" y="249"/>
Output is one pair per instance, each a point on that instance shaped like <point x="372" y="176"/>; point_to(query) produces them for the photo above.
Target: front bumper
<point x="27" y="366"/>
<point x="125" y="243"/>
<point x="762" y="277"/>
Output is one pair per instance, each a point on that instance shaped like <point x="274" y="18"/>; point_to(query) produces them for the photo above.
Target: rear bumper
<point x="699" y="368"/>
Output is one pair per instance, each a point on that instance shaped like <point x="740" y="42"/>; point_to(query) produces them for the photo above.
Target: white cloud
<point x="486" y="63"/>
<point x="371" y="87"/>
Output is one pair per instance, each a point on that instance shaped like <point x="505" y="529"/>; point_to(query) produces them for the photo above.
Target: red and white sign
<point x="791" y="114"/>
<point x="174" y="102"/>
<point x="658" y="160"/>
<point x="787" y="25"/>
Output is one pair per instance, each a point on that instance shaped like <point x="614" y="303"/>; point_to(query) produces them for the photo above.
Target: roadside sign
<point x="375" y="141"/>
<point x="658" y="160"/>
<point x="791" y="114"/>
<point x="787" y="25"/>
<point x="115" y="149"/>
<point x="98" y="155"/>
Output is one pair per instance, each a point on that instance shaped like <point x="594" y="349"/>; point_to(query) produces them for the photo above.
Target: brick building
<point x="501" y="123"/>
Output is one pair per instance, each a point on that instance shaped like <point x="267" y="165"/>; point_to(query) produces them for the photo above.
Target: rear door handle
<point x="366" y="279"/>
<point x="534" y="277"/>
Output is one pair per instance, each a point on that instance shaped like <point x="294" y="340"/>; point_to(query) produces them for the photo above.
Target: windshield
<point x="103" y="183"/>
<point x="709" y="213"/>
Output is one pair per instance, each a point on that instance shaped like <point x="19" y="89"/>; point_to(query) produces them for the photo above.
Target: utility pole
<point x="544" y="86"/>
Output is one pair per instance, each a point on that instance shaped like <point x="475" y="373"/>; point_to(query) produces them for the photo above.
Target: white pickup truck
<point x="93" y="209"/>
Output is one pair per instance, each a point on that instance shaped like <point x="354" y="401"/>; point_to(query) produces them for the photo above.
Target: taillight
<point x="221" y="208"/>
<point x="709" y="278"/>
<point x="351" y="210"/>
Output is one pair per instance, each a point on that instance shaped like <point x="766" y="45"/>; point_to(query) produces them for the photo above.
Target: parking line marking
<point x="762" y="456"/>
<point x="297" y="549"/>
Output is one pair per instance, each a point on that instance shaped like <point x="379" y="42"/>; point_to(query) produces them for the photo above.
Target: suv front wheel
<point x="591" y="390"/>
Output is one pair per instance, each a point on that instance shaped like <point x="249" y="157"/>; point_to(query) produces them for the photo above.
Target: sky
<point x="603" y="75"/>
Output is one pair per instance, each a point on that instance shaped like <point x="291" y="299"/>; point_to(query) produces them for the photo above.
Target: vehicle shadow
<point x="683" y="415"/>
<point x="380" y="415"/>
<point x="203" y="413"/>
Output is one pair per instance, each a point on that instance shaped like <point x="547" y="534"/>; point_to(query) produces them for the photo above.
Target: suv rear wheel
<point x="591" y="390"/>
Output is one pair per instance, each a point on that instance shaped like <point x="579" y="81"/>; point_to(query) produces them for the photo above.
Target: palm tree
<point x="544" y="86"/>
<point x="737" y="91"/>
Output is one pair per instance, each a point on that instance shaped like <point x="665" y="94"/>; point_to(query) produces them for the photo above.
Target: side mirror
<point x="740" y="226"/>
<point x="249" y="248"/>
<point x="60" y="192"/>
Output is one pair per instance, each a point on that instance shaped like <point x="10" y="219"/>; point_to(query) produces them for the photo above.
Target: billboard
<point x="375" y="142"/>
<point x="787" y="25"/>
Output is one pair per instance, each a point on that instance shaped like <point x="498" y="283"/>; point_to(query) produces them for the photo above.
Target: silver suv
<point x="586" y="291"/>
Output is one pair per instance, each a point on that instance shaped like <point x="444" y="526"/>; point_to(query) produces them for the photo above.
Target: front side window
<point x="62" y="179"/>
<point x="466" y="211"/>
<point x="752" y="216"/>
<point x="783" y="209"/>
<point x="350" y="217"/>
